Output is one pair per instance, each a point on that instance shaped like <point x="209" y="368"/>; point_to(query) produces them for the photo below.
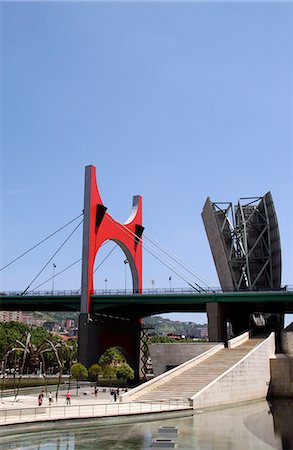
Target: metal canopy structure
<point x="245" y="243"/>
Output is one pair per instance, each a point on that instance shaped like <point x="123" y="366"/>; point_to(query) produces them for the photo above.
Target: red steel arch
<point x="99" y="227"/>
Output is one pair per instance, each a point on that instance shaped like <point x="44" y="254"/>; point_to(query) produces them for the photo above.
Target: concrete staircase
<point x="185" y="385"/>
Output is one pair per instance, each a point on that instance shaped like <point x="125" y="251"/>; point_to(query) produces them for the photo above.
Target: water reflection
<point x="282" y="410"/>
<point x="255" y="426"/>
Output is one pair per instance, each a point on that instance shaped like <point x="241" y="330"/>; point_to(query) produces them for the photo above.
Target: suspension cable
<point x="151" y="251"/>
<point x="56" y="275"/>
<point x="107" y="242"/>
<point x="41" y="242"/>
<point x="107" y="256"/>
<point x="176" y="259"/>
<point x="160" y="257"/>
<point x="52" y="257"/>
<point x="71" y="265"/>
<point x="198" y="288"/>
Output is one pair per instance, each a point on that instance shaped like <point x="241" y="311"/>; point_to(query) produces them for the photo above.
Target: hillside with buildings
<point x="67" y="323"/>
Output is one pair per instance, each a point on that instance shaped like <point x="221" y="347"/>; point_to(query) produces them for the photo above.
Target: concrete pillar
<point x="88" y="340"/>
<point x="217" y="323"/>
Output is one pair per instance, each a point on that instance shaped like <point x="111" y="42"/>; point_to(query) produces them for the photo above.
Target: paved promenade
<point x="84" y="405"/>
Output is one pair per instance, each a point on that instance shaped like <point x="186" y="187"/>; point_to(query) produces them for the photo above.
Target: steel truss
<point x="251" y="241"/>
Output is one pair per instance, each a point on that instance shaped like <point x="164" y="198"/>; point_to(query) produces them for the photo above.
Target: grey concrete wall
<point x="282" y="367"/>
<point x="281" y="376"/>
<point x="166" y="356"/>
<point x="287" y="341"/>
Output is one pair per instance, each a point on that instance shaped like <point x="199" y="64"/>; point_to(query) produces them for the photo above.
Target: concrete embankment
<point x="282" y="367"/>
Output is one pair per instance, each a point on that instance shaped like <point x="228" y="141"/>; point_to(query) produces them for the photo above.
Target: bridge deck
<point x="149" y="303"/>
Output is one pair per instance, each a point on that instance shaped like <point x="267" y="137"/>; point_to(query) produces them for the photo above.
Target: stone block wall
<point x="167" y="356"/>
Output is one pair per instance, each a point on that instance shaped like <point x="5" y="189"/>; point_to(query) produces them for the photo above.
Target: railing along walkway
<point x="56" y="412"/>
<point x="146" y="291"/>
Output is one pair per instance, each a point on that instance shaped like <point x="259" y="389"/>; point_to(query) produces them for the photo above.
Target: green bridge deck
<point x="134" y="305"/>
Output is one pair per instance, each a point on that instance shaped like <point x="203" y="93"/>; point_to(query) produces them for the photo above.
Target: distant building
<point x="201" y="333"/>
<point x="8" y="316"/>
<point x="73" y="331"/>
<point x="50" y="326"/>
<point x="20" y="316"/>
<point x="69" y="323"/>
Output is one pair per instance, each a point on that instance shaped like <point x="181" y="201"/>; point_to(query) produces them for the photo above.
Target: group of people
<point x="41" y="398"/>
<point x="50" y="398"/>
<point x="115" y="393"/>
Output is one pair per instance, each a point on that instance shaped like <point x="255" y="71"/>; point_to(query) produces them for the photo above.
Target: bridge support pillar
<point x="88" y="337"/>
<point x="217" y="323"/>
<point x="97" y="333"/>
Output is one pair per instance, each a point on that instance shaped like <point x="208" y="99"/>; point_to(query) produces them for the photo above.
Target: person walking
<point x="96" y="391"/>
<point x="50" y="398"/>
<point x="40" y="400"/>
<point x="68" y="398"/>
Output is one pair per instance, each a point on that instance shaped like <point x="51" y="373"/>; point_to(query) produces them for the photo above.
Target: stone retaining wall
<point x="168" y="356"/>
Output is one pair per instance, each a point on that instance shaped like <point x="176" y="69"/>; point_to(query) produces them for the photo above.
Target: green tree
<point x="79" y="372"/>
<point x="125" y="372"/>
<point x="95" y="371"/>
<point x="109" y="372"/>
<point x="111" y="355"/>
<point x="11" y="332"/>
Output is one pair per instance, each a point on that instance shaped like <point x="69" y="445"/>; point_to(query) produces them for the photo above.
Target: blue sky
<point x="172" y="101"/>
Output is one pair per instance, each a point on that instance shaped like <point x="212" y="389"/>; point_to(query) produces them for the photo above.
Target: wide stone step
<point x="188" y="383"/>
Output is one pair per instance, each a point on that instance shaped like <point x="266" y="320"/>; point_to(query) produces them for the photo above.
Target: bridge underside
<point x="115" y="320"/>
<point x="98" y="333"/>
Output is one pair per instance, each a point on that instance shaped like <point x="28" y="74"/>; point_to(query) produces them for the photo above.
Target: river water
<point x="254" y="426"/>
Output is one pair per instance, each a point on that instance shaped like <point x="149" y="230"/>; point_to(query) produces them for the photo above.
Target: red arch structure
<point x="99" y="227"/>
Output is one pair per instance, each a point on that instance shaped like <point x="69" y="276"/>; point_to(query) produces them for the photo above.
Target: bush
<point x="95" y="370"/>
<point x="79" y="371"/>
<point x="30" y="382"/>
<point x="125" y="372"/>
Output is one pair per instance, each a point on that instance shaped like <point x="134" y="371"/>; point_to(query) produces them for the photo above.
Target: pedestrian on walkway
<point x="50" y="398"/>
<point x="40" y="399"/>
<point x="96" y="391"/>
<point x="68" y="398"/>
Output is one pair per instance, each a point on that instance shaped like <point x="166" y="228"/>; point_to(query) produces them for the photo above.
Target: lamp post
<point x="54" y="267"/>
<point x="106" y="281"/>
<point x="125" y="264"/>
<point x="170" y="282"/>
